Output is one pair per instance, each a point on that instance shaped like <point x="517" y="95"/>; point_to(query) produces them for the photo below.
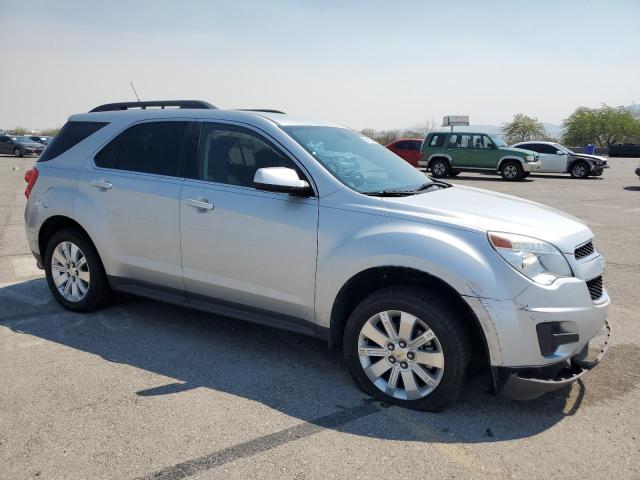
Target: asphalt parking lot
<point x="148" y="390"/>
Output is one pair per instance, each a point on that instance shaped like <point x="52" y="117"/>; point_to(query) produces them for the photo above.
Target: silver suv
<point x="315" y="228"/>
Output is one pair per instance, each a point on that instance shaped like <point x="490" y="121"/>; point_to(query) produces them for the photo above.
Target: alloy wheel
<point x="70" y="271"/>
<point x="400" y="355"/>
<point x="439" y="169"/>
<point x="510" y="171"/>
<point x="579" y="171"/>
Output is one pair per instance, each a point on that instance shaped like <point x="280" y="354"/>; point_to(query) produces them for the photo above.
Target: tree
<point x="49" y="132"/>
<point x="601" y="126"/>
<point x="523" y="128"/>
<point x="19" y="131"/>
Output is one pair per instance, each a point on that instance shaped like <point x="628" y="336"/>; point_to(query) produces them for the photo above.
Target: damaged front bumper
<point x="532" y="382"/>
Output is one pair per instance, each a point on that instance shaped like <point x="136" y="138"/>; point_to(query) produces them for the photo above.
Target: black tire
<point x="17" y="152"/>
<point x="439" y="317"/>
<point x="526" y="174"/>
<point x="512" y="171"/>
<point x="440" y="168"/>
<point x="98" y="291"/>
<point x="579" y="169"/>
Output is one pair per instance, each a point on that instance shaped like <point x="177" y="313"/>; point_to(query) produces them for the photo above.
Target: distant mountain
<point x="635" y="108"/>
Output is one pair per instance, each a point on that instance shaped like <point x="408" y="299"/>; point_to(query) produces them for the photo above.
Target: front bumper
<point x="531" y="166"/>
<point x="530" y="383"/>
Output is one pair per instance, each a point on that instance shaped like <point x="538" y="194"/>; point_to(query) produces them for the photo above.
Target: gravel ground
<point x="149" y="390"/>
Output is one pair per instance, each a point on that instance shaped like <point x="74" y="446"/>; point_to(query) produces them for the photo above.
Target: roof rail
<point x="197" y="104"/>
<point x="264" y="110"/>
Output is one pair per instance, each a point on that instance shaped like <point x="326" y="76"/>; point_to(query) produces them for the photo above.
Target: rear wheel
<point x="512" y="171"/>
<point x="579" y="170"/>
<point x="74" y="271"/>
<point x="440" y="168"/>
<point x="17" y="152"/>
<point x="405" y="346"/>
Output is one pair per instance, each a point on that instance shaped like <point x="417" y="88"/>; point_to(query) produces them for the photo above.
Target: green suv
<point x="449" y="153"/>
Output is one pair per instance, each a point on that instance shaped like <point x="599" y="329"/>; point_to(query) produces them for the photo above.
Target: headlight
<point x="529" y="158"/>
<point x="535" y="259"/>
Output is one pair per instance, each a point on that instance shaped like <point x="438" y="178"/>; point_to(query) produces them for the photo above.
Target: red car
<point x="408" y="149"/>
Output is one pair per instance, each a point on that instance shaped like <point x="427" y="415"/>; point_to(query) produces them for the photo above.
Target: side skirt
<point x="214" y="305"/>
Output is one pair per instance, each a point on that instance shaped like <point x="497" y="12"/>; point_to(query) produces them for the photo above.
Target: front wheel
<point x="17" y="152"/>
<point x="512" y="171"/>
<point x="440" y="168"/>
<point x="74" y="271"/>
<point x="407" y="347"/>
<point x="579" y="170"/>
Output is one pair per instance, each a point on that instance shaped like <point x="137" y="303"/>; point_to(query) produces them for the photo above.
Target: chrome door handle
<point x="200" y="204"/>
<point x="102" y="183"/>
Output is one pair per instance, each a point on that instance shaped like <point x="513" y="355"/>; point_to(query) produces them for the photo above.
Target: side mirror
<point x="559" y="152"/>
<point x="281" y="179"/>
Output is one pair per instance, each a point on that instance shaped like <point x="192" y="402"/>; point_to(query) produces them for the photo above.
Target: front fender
<point x="509" y="157"/>
<point x="462" y="259"/>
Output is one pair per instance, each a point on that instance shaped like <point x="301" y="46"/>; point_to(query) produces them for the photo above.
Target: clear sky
<point x="364" y="64"/>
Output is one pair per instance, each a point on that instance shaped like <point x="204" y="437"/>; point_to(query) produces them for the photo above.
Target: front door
<point x="553" y="159"/>
<point x="243" y="247"/>
<point x="483" y="152"/>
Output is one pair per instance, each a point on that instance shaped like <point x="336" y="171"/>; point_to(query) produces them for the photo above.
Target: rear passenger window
<point x="147" y="148"/>
<point x="70" y="135"/>
<point x="436" y="141"/>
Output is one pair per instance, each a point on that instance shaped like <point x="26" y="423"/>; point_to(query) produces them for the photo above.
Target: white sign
<point x="455" y="120"/>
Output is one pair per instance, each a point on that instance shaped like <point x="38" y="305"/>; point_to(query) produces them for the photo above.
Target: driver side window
<point x="231" y="155"/>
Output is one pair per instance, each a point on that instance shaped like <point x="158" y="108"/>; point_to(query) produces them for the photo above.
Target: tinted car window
<point x="401" y="145"/>
<point x="149" y="148"/>
<point x="232" y="155"/>
<point x="415" y="145"/>
<point x="534" y="147"/>
<point x="70" y="135"/>
<point x="545" y="148"/>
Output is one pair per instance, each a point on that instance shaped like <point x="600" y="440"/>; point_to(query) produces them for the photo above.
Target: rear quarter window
<point x="437" y="140"/>
<point x="69" y="136"/>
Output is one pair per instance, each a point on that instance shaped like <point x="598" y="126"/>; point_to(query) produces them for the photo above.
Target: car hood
<point x="518" y="151"/>
<point x="484" y="210"/>
<point x="590" y="157"/>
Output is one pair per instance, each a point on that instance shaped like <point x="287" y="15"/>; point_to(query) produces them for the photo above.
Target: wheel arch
<point x="435" y="156"/>
<point x="507" y="158"/>
<point x="54" y="224"/>
<point x="372" y="279"/>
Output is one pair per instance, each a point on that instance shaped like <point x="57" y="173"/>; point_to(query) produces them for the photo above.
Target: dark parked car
<point x="624" y="150"/>
<point x="41" y="139"/>
<point x="19" y="146"/>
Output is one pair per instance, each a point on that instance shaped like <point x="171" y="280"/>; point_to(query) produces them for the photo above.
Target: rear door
<point x="459" y="149"/>
<point x="245" y="248"/>
<point x="413" y="155"/>
<point x="130" y="196"/>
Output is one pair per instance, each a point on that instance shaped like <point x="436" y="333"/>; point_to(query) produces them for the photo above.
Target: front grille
<point x="595" y="288"/>
<point x="584" y="250"/>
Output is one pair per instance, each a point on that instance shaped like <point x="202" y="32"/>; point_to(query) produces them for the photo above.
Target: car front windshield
<point x="356" y="160"/>
<point x="498" y="142"/>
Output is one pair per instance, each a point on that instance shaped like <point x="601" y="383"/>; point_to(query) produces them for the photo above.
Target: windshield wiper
<point x="389" y="193"/>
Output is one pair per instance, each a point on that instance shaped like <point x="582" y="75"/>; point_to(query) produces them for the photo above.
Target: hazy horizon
<point x="365" y="64"/>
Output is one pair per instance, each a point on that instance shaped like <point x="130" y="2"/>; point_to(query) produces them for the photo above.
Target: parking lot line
<point x="264" y="443"/>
